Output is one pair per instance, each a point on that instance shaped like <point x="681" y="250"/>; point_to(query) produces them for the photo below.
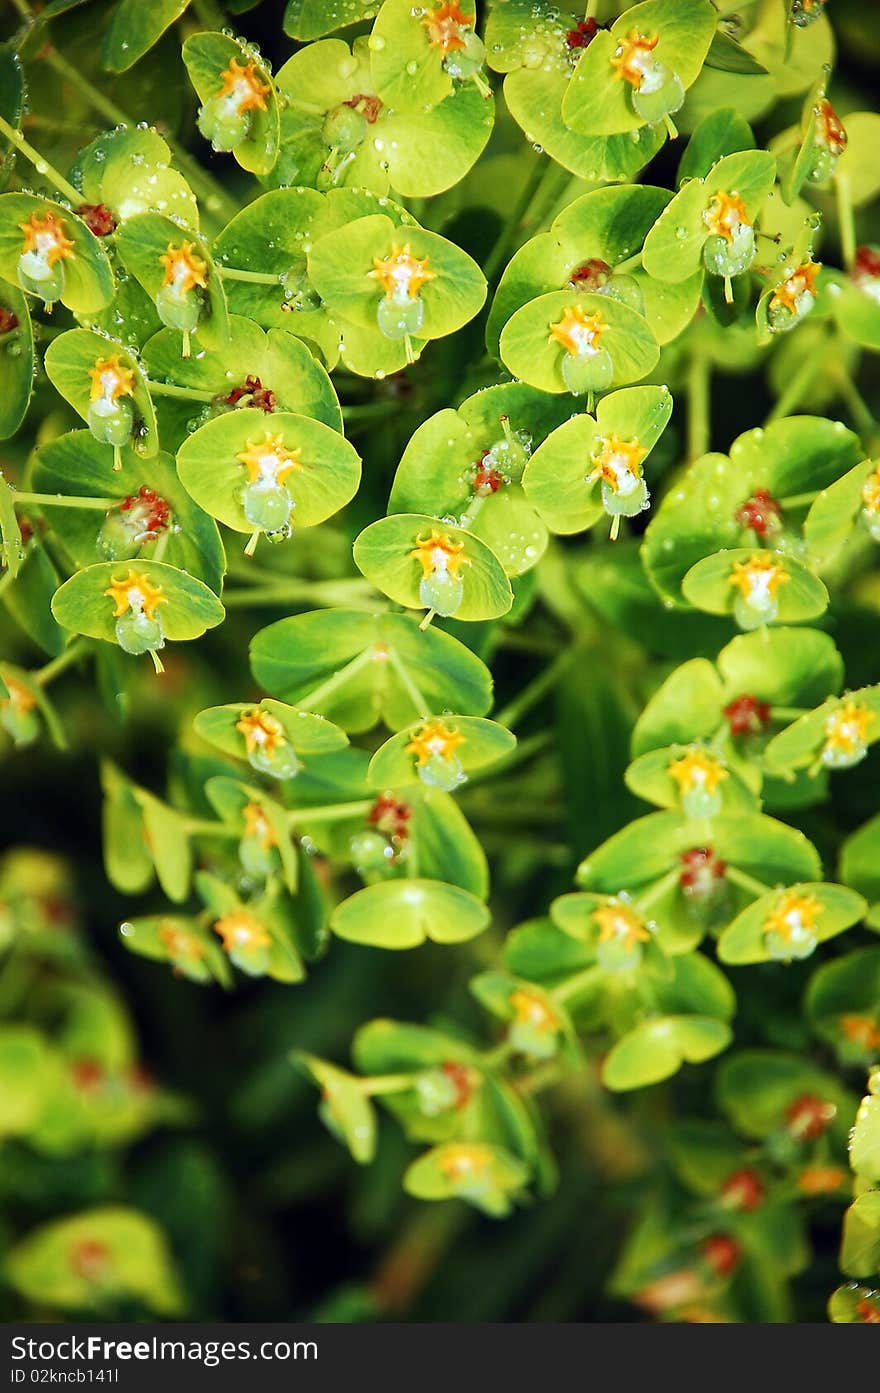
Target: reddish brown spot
<point x="140" y="1079"/>
<point x="867" y="264"/>
<point x="487" y="480"/>
<point x="867" y="1312"/>
<point x="87" y="1074"/>
<point x="391" y="816"/>
<point x="54" y="908"/>
<point x="702" y="871"/>
<point x="368" y="106"/>
<point x="26" y="528"/>
<point x="591" y="275"/>
<point x="463" y="1080"/>
<point x="146" y="513"/>
<point x="88" y="1258"/>
<point x="257" y="395"/>
<point x="583" y="34"/>
<point x="747" y="715"/>
<point x="721" y="1253"/>
<point x="761" y="513"/>
<point x="808" y="1116"/>
<point x="8" y="320"/>
<point x="743" y="1189"/>
<point x="97" y="218"/>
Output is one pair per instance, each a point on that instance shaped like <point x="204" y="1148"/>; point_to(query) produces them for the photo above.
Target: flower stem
<point x="321" y="693"/>
<point x="231" y="273"/>
<point x="699" y="429"/>
<point x="331" y="812"/>
<point x="846" y="220"/>
<point x="72" y="653"/>
<point x="747" y="882"/>
<point x="798" y="387"/>
<point x="60" y="500"/>
<point x="171" y="389"/>
<point x="41" y="165"/>
<point x="658" y="889"/>
<point x="530" y="695"/>
<point x="289" y="590"/>
<point x="386" y="1083"/>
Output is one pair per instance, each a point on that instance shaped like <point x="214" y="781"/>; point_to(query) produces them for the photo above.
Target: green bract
<point x="185" y="288"/>
<point x="530" y="352"/>
<point x="128" y="171"/>
<point x="239" y="110"/>
<point x="81" y="277"/>
<point x="104" y="383"/>
<point x="188" y="607"/>
<point x="425" y="565"/>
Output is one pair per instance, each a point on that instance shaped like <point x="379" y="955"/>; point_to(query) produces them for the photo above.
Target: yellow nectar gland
<point x="262" y="732"/>
<point x="696" y="770"/>
<point x="18" y="698"/>
<point x="184" y="270"/>
<point x="434" y="740"/>
<point x="257" y="825"/>
<point x="463" y="1161"/>
<point x="445" y="25"/>
<point x="401" y="274"/>
<point x="802" y="281"/>
<point x="725" y="216"/>
<point x="44" y="234"/>
<point x="136" y="592"/>
<point x="845" y="729"/>
<point x="578" y="333"/>
<point x="759" y="578"/>
<point x="871" y="493"/>
<point x="618" y="923"/>
<point x="821" y="1180"/>
<point x="633" y="56"/>
<point x="531" y="1010"/>
<point x="268" y="461"/>
<point x="439" y="553"/>
<point x="242" y="930"/>
<point x="179" y="943"/>
<point x="241" y="83"/>
<point x="861" y="1030"/>
<point x="795" y="914"/>
<point x="619" y="463"/>
<point x="110" y="379"/>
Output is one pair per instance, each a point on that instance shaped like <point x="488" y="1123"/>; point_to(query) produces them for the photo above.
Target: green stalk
<point x="41" y="165"/>
<point x="386" y="1083"/>
<point x="798" y="387"/>
<point x="72" y="653"/>
<point x="748" y="882"/>
<point x="331" y="812"/>
<point x="536" y="690"/>
<point x="657" y="890"/>
<point x="171" y="389"/>
<point x="408" y="684"/>
<point x="507" y="235"/>
<point x="231" y="273"/>
<point x="321" y="693"/>
<point x="846" y="220"/>
<point x="61" y="500"/>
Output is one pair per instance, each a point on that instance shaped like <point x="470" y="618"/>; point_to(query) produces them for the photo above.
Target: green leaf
<point x="230" y="798"/>
<point x="395" y="1047"/>
<point x="166" y="837"/>
<point x="128" y="170"/>
<point x="325" y="476"/>
<point x="184" y="943"/>
<point x="808" y="740"/>
<point x="842" y="1004"/>
<point x="687" y="706"/>
<point x="307" y="735"/>
<point x="486" y="1176"/>
<point x="755" y="1088"/>
<point x="27" y="1077"/>
<point x="529" y="352"/>
<point x="81" y="603"/>
<point x="348" y="664"/>
<point x="10" y="531"/>
<point x="746" y="939"/>
<point x="649" y="778"/>
<point x="309" y="19"/>
<point x="828" y="527"/>
<point x="658" y="1048"/>
<point x="206" y="57"/>
<point x="723" y="133"/>
<point x="71" y="358"/>
<point x="860" y="1249"/>
<point x="727" y="56"/>
<point x="860" y="859"/>
<point x="408" y="69"/>
<point x="17" y="362"/>
<point x="709" y="586"/>
<point x="857" y="169"/>
<point x="127" y="860"/>
<point x="129" y="1260"/>
<point x="404" y="913"/>
<point x="598" y="102"/>
<point x="482" y="743"/>
<point x="76" y="465"/>
<point x="864" y="1146"/>
<point x="134" y="28"/>
<point x="385" y="553"/>
<point x="88" y="277"/>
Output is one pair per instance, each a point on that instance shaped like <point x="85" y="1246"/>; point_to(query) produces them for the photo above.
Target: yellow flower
<point x="19" y="698"/>
<point x="794" y="914"/>
<point x="445" y="25"/>
<point x="578" y="333"/>
<point x="725" y="215"/>
<point x="439" y="553"/>
<point x="632" y="56"/>
<point x="269" y="461"/>
<point x="759" y="576"/>
<point x="136" y="592"/>
<point x="846" y="728"/>
<point x="45" y="235"/>
<point x="180" y="943"/>
<point x="871" y="493"/>
<point x="242" y="930"/>
<point x="183" y="268"/>
<point x="618" y="461"/>
<point x="531" y="1010"/>
<point x="861" y="1030"/>
<point x="821" y="1180"/>
<point x="696" y="769"/>
<point x="617" y="922"/>
<point x="240" y="81"/>
<point x="802" y="281"/>
<point x="401" y="274"/>
<point x="434" y="740"/>
<point x="257" y="825"/>
<point x="463" y="1160"/>
<point x="262" y="732"/>
<point x="110" y="379"/>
